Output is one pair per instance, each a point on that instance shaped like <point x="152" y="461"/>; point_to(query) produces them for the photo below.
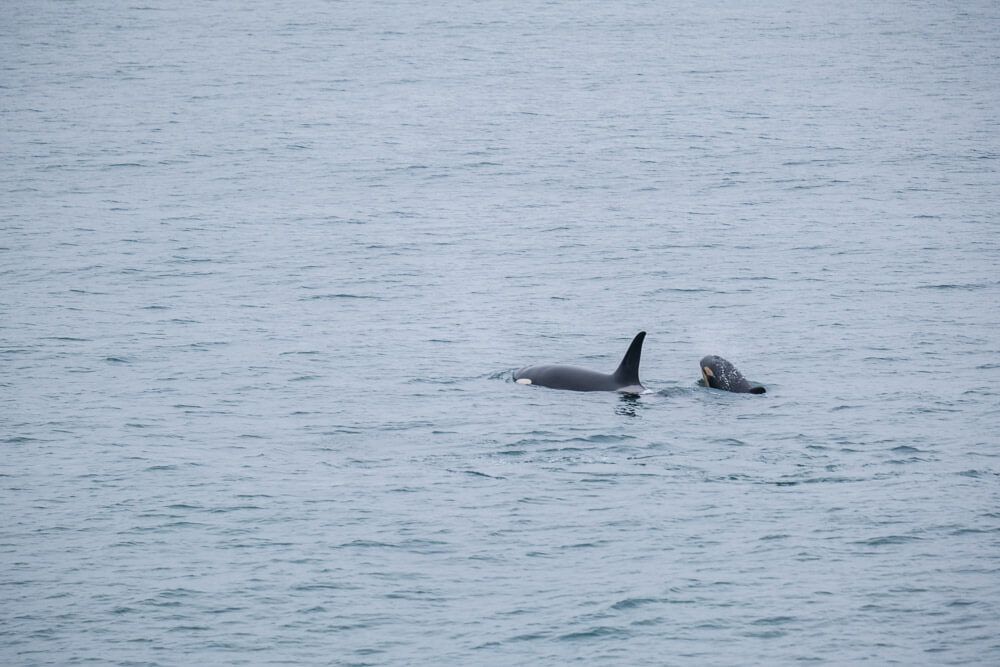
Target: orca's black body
<point x="625" y="379"/>
<point x="718" y="373"/>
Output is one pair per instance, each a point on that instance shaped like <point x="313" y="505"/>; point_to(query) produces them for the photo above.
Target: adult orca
<point x="720" y="374"/>
<point x="625" y="379"/>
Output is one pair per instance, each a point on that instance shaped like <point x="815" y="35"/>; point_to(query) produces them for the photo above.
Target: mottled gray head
<point x="720" y="374"/>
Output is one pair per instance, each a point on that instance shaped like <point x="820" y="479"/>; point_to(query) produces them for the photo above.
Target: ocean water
<point x="267" y="268"/>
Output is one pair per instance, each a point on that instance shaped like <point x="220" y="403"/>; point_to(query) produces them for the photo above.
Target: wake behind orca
<point x="625" y="378"/>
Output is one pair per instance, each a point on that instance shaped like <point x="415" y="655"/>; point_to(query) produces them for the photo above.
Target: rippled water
<point x="267" y="268"/>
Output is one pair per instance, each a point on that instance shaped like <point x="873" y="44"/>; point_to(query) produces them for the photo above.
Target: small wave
<point x="476" y="473"/>
<point x="817" y="480"/>
<point x="974" y="531"/>
<point x="975" y="474"/>
<point x="774" y="620"/>
<point x="958" y="286"/>
<point x="632" y="603"/>
<point x="682" y="290"/>
<point x="888" y="540"/>
<point x="339" y="295"/>
<point x="511" y="452"/>
<point x="600" y="632"/>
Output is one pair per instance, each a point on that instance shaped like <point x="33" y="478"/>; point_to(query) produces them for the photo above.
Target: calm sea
<point x="266" y="268"/>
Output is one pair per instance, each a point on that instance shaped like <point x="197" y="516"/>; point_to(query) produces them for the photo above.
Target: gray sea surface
<point x="266" y="269"/>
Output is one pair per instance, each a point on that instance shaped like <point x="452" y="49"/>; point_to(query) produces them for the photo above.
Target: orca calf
<point x="625" y="379"/>
<point x="720" y="374"/>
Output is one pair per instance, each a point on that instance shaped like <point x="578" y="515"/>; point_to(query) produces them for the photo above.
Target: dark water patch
<point x="344" y="430"/>
<point x="889" y="540"/>
<point x="182" y="524"/>
<point x="205" y="344"/>
<point x="774" y="620"/>
<point x="256" y="544"/>
<point x="815" y="480"/>
<point x="118" y="360"/>
<point x="475" y="473"/>
<point x="633" y="603"/>
<point x="959" y="286"/>
<point x="326" y="585"/>
<point x="18" y="440"/>
<point x="16" y="350"/>
<point x="733" y="477"/>
<point x="683" y="290"/>
<point x="974" y="531"/>
<point x="415" y="594"/>
<point x="340" y="295"/>
<point x="510" y="452"/>
<point x="977" y="474"/>
<point x="229" y="610"/>
<point x="367" y="544"/>
<point x="935" y="409"/>
<point x="601" y="632"/>
<point x="766" y="634"/>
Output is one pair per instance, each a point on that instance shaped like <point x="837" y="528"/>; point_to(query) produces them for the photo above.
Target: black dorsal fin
<point x="628" y="370"/>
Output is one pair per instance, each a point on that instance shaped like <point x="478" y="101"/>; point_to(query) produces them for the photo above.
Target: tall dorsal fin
<point x="628" y="370"/>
